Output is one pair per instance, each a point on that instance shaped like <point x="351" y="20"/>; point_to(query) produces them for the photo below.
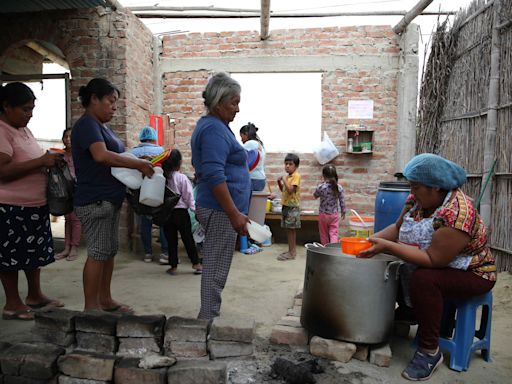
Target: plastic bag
<point x="60" y="189"/>
<point x="326" y="150"/>
<point x="161" y="214"/>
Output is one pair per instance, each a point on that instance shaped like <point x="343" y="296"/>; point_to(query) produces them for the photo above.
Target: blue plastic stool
<point x="458" y="330"/>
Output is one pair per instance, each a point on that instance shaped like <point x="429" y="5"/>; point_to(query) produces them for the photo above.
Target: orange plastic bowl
<point x="354" y="245"/>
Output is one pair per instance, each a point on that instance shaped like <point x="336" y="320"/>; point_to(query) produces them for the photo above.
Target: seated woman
<point x="443" y="241"/>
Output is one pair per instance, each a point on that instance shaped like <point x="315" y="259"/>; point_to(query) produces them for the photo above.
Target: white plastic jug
<point x="153" y="189"/>
<point x="132" y="178"/>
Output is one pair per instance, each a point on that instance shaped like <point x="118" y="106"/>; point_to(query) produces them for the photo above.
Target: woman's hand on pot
<point x="379" y="246"/>
<point x="146" y="167"/>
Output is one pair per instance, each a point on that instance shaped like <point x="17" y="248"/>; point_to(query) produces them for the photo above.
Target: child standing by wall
<point x="72" y="227"/>
<point x="330" y="194"/>
<point x="180" y="219"/>
<point x="290" y="188"/>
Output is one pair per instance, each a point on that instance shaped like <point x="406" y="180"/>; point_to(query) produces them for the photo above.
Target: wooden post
<point x="265" y="19"/>
<point x="492" y="115"/>
<point x="409" y="16"/>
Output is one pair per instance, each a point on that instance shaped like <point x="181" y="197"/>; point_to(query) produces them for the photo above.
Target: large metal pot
<point x="348" y="298"/>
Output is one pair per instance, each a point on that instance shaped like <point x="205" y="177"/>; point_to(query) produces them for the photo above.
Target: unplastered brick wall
<point x="96" y="42"/>
<point x="359" y="174"/>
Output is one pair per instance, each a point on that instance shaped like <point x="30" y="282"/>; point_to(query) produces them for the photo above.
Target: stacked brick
<point x="230" y="337"/>
<point x="289" y="331"/>
<point x="100" y="348"/>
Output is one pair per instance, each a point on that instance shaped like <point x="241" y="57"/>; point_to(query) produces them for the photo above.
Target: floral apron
<point x="419" y="234"/>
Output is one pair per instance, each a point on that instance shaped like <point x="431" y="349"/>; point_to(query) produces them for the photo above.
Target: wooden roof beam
<point x="410" y="16"/>
<point x="265" y="19"/>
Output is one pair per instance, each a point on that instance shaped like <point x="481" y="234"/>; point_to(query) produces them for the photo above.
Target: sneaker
<point x="164" y="259"/>
<point x="148" y="258"/>
<point x="422" y="366"/>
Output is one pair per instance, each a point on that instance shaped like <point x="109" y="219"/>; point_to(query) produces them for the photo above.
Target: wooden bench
<point x="306" y="234"/>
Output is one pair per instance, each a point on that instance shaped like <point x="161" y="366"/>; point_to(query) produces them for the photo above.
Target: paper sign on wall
<point x="360" y="109"/>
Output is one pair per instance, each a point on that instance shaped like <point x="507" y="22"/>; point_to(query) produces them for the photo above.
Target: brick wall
<point x="96" y="43"/>
<point x="359" y="174"/>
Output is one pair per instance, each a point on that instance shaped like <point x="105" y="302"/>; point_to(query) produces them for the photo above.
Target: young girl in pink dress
<point x="332" y="205"/>
<point x="72" y="228"/>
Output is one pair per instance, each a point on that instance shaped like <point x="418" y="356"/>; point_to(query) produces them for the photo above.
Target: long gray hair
<point x="220" y="86"/>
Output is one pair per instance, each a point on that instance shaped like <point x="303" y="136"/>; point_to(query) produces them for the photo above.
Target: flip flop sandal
<point x="121" y="308"/>
<point x="22" y="314"/>
<point x="48" y="303"/>
<point x="171" y="271"/>
<point x="198" y="271"/>
<point x="285" y="257"/>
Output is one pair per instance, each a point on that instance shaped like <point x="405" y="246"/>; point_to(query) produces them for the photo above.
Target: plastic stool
<point x="462" y="326"/>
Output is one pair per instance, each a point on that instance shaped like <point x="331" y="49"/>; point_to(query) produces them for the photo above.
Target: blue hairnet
<point x="147" y="133"/>
<point x="435" y="171"/>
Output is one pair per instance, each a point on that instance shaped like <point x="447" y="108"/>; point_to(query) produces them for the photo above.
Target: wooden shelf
<point x="359" y="135"/>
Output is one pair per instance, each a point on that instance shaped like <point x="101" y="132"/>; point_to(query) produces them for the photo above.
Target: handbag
<point x="161" y="214"/>
<point x="60" y="189"/>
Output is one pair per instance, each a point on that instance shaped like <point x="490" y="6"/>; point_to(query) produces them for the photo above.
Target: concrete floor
<point x="261" y="287"/>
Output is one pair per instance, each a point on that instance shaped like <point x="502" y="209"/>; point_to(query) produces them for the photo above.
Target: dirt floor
<point x="261" y="287"/>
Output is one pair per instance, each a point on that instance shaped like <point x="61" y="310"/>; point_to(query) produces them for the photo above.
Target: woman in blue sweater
<point x="223" y="187"/>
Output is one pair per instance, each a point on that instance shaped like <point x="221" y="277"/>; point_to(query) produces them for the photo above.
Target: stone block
<point x="62" y="339"/>
<point x="96" y="342"/>
<point x="141" y="326"/>
<point x="33" y="361"/>
<point x="232" y="329"/>
<point x="288" y="335"/>
<point x="362" y="351"/>
<point x="127" y="371"/>
<point x="97" y="322"/>
<point x="63" y="379"/>
<point x="290" y="321"/>
<point x="138" y="346"/>
<point x="56" y="319"/>
<point x="332" y="349"/>
<point x="220" y="349"/>
<point x="198" y="371"/>
<point x="185" y="329"/>
<point x="295" y="311"/>
<point x="27" y="380"/>
<point x="186" y="349"/>
<point x="381" y="355"/>
<point x="87" y="366"/>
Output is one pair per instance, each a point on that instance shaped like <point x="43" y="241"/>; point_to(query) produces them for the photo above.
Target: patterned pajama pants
<point x="218" y="247"/>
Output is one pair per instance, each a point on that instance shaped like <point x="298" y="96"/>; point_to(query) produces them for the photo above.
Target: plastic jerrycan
<point x="153" y="189"/>
<point x="132" y="178"/>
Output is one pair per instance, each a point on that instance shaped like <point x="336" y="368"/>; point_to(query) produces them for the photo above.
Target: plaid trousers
<point x="218" y="247"/>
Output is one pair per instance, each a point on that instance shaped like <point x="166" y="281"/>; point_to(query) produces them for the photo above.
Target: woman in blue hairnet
<point x="147" y="149"/>
<point x="443" y="242"/>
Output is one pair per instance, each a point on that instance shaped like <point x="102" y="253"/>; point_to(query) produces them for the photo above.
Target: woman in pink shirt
<point x="25" y="235"/>
<point x="180" y="219"/>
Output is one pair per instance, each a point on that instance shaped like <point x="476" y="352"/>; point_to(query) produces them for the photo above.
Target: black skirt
<point x="26" y="241"/>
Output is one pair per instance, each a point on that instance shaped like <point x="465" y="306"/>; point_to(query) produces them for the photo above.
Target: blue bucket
<point x="389" y="202"/>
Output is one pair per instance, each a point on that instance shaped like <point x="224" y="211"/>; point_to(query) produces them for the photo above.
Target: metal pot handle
<point x="388" y="267"/>
<point x="313" y="245"/>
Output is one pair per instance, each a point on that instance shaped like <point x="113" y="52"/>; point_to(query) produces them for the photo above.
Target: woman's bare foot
<point x="63" y="254"/>
<point x="73" y="254"/>
<point x="198" y="269"/>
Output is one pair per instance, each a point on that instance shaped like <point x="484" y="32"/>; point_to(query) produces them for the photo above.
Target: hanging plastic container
<point x="153" y="189"/>
<point x="389" y="202"/>
<point x="132" y="178"/>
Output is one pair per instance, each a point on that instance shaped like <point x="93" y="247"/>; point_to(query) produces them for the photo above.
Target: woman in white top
<point x="252" y="142"/>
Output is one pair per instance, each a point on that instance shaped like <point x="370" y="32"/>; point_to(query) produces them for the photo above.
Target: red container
<point x="354" y="245"/>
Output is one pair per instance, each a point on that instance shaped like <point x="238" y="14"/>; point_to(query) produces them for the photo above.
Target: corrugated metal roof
<point x="16" y="6"/>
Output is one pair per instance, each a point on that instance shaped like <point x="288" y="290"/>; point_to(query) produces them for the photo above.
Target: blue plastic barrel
<point x="389" y="202"/>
